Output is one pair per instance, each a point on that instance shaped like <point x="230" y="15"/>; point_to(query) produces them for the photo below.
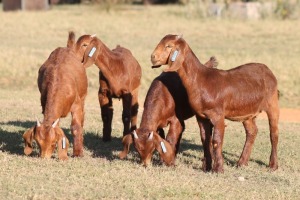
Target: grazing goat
<point x="166" y="103"/>
<point x="119" y="77"/>
<point x="62" y="82"/>
<point x="238" y="94"/>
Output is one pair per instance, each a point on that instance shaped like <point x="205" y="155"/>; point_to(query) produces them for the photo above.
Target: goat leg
<point x="251" y="132"/>
<point x="107" y="116"/>
<point x="77" y="130"/>
<point x="105" y="101"/>
<point x="175" y="133"/>
<point x="217" y="142"/>
<point x="206" y="137"/>
<point x="273" y="116"/>
<point x="134" y="109"/>
<point x="126" y="115"/>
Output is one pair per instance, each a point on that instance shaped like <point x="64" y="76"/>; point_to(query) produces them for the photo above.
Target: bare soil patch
<point x="286" y="115"/>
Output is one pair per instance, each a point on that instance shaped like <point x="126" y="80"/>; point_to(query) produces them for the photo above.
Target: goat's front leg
<point x="175" y="133"/>
<point x="105" y="101"/>
<point x="217" y="143"/>
<point x="77" y="130"/>
<point x="206" y="137"/>
<point x="126" y="115"/>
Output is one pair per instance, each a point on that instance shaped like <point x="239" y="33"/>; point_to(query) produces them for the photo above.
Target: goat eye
<point x="84" y="45"/>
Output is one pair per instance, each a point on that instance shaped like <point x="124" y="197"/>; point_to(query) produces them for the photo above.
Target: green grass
<point x="27" y="38"/>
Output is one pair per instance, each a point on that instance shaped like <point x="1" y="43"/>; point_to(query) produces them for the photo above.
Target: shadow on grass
<point x="233" y="163"/>
<point x="230" y="159"/>
<point x="12" y="142"/>
<point x="99" y="148"/>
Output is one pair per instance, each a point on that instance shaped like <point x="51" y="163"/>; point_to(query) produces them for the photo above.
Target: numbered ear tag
<point x="163" y="147"/>
<point x="63" y="142"/>
<point x="175" y="54"/>
<point x="92" y="52"/>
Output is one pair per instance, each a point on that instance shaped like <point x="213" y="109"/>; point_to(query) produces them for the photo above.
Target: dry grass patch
<point x="100" y="174"/>
<point x="29" y="37"/>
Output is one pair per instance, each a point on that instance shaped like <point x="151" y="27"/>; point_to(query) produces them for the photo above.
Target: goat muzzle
<point x="156" y="66"/>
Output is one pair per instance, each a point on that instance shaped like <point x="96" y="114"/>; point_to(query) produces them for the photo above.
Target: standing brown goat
<point x="238" y="94"/>
<point x="119" y="77"/>
<point x="166" y="104"/>
<point x="62" y="82"/>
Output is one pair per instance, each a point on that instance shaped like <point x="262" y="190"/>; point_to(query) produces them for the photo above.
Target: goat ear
<point x="175" y="61"/>
<point x="179" y="36"/>
<point x="165" y="150"/>
<point x="71" y="39"/>
<point x="212" y="63"/>
<point x="91" y="53"/>
<point x="55" y="123"/>
<point x="150" y="137"/>
<point x="62" y="144"/>
<point x="28" y="138"/>
<point x="127" y="141"/>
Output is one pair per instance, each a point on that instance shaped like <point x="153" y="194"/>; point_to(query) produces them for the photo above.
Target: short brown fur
<point x="119" y="77"/>
<point x="62" y="82"/>
<point x="238" y="94"/>
<point x="166" y="104"/>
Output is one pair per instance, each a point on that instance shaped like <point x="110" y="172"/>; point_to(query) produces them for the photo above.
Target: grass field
<point x="27" y="38"/>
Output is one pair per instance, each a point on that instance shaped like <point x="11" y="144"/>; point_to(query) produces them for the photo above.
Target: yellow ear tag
<point x="175" y="54"/>
<point x="92" y="52"/>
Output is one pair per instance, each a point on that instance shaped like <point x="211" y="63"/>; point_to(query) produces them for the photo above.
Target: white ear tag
<point x="63" y="142"/>
<point x="92" y="52"/>
<point x="175" y="54"/>
<point x="164" y="149"/>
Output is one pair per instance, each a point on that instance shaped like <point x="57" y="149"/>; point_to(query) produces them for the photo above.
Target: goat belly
<point x="243" y="114"/>
<point x="242" y="117"/>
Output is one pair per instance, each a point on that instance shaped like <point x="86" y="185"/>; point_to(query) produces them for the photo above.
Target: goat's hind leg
<point x="126" y="115"/>
<point x="273" y="116"/>
<point x="134" y="109"/>
<point x="77" y="131"/>
<point x="106" y="105"/>
<point x="251" y="132"/>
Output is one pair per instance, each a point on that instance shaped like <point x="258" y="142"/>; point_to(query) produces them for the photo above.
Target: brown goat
<point x="238" y="94"/>
<point x="119" y="77"/>
<point x="166" y="104"/>
<point x="62" y="82"/>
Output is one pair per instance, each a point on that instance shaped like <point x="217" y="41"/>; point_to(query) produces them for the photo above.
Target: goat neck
<point x="106" y="62"/>
<point x="105" y="58"/>
<point x="191" y="69"/>
<point x="150" y="121"/>
<point x="157" y="108"/>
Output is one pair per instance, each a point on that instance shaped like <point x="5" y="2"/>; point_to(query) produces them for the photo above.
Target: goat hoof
<point x="241" y="164"/>
<point x="77" y="153"/>
<point x="273" y="167"/>
<point x="206" y="168"/>
<point x="218" y="170"/>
